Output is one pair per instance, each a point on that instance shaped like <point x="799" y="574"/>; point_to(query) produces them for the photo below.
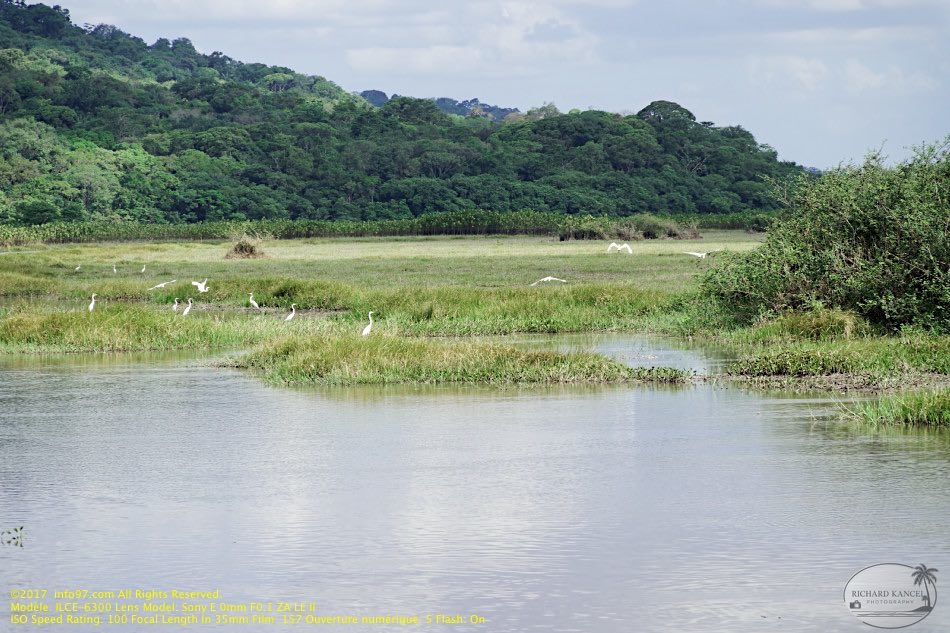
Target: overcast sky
<point x="822" y="81"/>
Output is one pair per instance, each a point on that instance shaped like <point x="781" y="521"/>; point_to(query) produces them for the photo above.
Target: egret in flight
<point x="368" y="328"/>
<point x="699" y="255"/>
<point x="619" y="247"/>
<point x="202" y="286"/>
<point x="187" y="308"/>
<point x="162" y="285"/>
<point x="563" y="281"/>
<point x="92" y="305"/>
<point x="293" y="311"/>
<point x="250" y="299"/>
<point x="175" y="307"/>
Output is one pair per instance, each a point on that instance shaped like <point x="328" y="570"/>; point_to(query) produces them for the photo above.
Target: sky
<point x="822" y="81"/>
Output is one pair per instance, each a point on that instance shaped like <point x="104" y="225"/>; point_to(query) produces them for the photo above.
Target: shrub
<point x="245" y="248"/>
<point x="869" y="239"/>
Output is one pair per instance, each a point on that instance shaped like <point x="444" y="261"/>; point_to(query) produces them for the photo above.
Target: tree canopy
<point x="97" y="124"/>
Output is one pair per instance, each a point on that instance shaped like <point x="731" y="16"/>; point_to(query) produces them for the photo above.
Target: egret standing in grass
<point x="250" y="298"/>
<point x="175" y="307"/>
<point x="143" y="268"/>
<point x="293" y="311"/>
<point x="368" y="328"/>
<point x="114" y="271"/>
<point x="187" y="308"/>
<point x="202" y="286"/>
<point x="92" y="304"/>
<point x="78" y="267"/>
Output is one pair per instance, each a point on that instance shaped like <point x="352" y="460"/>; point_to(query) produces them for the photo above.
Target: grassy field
<point x="417" y="287"/>
<point x="420" y="288"/>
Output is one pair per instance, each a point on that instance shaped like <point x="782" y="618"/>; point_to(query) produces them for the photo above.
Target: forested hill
<point x="97" y="124"/>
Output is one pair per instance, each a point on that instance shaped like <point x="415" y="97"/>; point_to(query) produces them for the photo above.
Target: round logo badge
<point x="892" y="596"/>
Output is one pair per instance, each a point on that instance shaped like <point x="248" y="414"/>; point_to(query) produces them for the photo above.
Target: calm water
<point x="576" y="509"/>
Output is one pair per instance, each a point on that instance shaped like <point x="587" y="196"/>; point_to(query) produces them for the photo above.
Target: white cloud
<point x="860" y="78"/>
<point x="428" y="60"/>
<point x="800" y="73"/>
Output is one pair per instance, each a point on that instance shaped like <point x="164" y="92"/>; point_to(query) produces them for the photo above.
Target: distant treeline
<point x="98" y="125"/>
<point x="459" y="223"/>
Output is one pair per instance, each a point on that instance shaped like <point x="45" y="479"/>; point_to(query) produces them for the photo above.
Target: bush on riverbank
<point x="870" y="239"/>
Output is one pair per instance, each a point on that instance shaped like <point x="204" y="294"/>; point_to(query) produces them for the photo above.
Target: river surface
<point x="617" y="509"/>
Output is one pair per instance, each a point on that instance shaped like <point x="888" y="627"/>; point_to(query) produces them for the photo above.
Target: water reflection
<point x="563" y="509"/>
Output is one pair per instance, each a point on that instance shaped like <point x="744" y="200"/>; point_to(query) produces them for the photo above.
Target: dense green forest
<point x="96" y="124"/>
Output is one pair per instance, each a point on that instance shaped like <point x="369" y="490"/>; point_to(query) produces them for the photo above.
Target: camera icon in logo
<point x="856" y="604"/>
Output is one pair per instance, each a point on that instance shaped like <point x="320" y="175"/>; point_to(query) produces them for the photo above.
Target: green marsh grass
<point x="876" y="356"/>
<point x="927" y="409"/>
<point x="353" y="359"/>
<point x="122" y="327"/>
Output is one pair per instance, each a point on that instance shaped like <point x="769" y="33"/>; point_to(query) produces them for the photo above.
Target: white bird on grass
<point x="175" y="307"/>
<point x="368" y="328"/>
<point x="250" y="299"/>
<point x="202" y="286"/>
<point x="187" y="308"/>
<point x="162" y="285"/>
<point x="92" y="305"/>
<point x="293" y="311"/>
<point x="78" y="267"/>
<point x="143" y="268"/>
<point x="563" y="281"/>
<point x="619" y="247"/>
<point x="699" y="255"/>
<point x="114" y="271"/>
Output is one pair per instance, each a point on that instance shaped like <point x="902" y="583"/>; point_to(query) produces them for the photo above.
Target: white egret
<point x="202" y="286"/>
<point x="143" y="268"/>
<point x="293" y="311"/>
<point x="619" y="247"/>
<point x="78" y="267"/>
<point x="368" y="328"/>
<point x="162" y="285"/>
<point x="114" y="271"/>
<point x="563" y="281"/>
<point x="699" y="255"/>
<point x="250" y="298"/>
<point x="175" y="307"/>
<point x="92" y="305"/>
<point x="187" y="308"/>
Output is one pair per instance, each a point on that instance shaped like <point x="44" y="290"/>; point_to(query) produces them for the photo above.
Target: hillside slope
<point x="97" y="124"/>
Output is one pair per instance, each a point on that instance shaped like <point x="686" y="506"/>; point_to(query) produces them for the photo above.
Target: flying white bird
<point x="293" y="311"/>
<point x="162" y="285"/>
<point x="619" y="247"/>
<point x="92" y="305"/>
<point x="251" y="300"/>
<point x="202" y="286"/>
<point x="563" y="281"/>
<point x="187" y="308"/>
<point x="143" y="268"/>
<point x="175" y="307"/>
<point x="368" y="328"/>
<point x="699" y="255"/>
